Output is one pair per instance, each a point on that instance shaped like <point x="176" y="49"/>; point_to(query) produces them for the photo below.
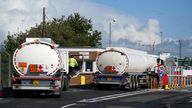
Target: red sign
<point x="35" y="68"/>
<point x="110" y="69"/>
<point x="40" y="67"/>
<point x="161" y="68"/>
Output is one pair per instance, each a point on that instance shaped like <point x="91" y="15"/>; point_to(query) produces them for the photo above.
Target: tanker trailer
<point x="124" y="67"/>
<point x="39" y="68"/>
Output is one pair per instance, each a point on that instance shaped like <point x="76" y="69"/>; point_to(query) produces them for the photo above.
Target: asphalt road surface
<point x="114" y="98"/>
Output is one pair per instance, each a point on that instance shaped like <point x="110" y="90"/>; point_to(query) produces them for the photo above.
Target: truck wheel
<point x="98" y="86"/>
<point x="57" y="95"/>
<point x="66" y="83"/>
<point x="103" y="87"/>
<point x="149" y="83"/>
<point x="133" y="85"/>
<point x="130" y="86"/>
<point x="136" y="84"/>
<point x="16" y="95"/>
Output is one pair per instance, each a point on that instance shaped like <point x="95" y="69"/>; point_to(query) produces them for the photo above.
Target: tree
<point x="75" y="30"/>
<point x="10" y="44"/>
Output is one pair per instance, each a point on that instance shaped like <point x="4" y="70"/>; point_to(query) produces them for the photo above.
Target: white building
<point x="86" y="57"/>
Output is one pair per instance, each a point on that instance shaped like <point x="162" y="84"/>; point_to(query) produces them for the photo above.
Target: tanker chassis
<point x="126" y="68"/>
<point x="40" y="68"/>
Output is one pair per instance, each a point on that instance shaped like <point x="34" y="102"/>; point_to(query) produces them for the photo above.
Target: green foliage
<point x="5" y="62"/>
<point x="73" y="31"/>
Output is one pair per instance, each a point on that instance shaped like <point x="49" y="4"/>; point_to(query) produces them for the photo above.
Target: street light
<point x="161" y="45"/>
<point x="111" y="20"/>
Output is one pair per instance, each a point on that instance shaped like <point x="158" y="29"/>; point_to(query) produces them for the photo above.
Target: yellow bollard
<point x="166" y="87"/>
<point x="82" y="80"/>
<point x="173" y="86"/>
<point x="160" y="86"/>
<point x="177" y="85"/>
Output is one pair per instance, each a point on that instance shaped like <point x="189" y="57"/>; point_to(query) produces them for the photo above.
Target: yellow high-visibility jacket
<point x="72" y="62"/>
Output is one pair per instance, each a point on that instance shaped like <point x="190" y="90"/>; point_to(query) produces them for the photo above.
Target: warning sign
<point x="162" y="68"/>
<point x="22" y="64"/>
<point x="35" y="68"/>
<point x="22" y="69"/>
<point x="110" y="69"/>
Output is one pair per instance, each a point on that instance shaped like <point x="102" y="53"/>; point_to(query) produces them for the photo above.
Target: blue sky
<point x="175" y="16"/>
<point x="138" y="22"/>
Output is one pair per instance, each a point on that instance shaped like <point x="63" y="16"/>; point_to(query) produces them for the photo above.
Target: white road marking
<point x="69" y="105"/>
<point x="115" y="96"/>
<point x="75" y="90"/>
<point x="109" y="97"/>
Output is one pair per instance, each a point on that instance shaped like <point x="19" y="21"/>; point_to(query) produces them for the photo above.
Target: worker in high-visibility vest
<point x="72" y="65"/>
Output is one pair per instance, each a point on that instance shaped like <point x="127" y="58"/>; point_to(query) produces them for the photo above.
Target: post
<point x="43" y="29"/>
<point x="9" y="70"/>
<point x="110" y="34"/>
<point x="179" y="49"/>
<point x="161" y="33"/>
<point x="153" y="49"/>
<point x="110" y="31"/>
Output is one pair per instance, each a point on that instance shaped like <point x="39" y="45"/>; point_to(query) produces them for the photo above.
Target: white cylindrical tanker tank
<point x="119" y="60"/>
<point x="38" y="54"/>
<point x="39" y="65"/>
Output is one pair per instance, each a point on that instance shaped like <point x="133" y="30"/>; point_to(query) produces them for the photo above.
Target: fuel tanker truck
<point x="124" y="67"/>
<point x="40" y="68"/>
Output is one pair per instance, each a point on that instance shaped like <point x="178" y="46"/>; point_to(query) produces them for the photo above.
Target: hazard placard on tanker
<point x="35" y="68"/>
<point x="37" y="57"/>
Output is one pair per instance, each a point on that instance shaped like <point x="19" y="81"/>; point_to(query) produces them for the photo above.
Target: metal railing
<point x="177" y="79"/>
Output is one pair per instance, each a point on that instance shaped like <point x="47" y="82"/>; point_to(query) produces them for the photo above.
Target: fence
<point x="5" y="68"/>
<point x="177" y="79"/>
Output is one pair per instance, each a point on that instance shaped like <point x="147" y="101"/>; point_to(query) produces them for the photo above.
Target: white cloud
<point x="17" y="15"/>
<point x="23" y="14"/>
<point x="134" y="33"/>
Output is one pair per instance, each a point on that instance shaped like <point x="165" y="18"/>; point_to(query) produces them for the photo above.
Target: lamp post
<point x="113" y="20"/>
<point x="161" y="48"/>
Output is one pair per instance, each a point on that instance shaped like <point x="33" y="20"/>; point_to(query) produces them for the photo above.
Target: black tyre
<point x="66" y="82"/>
<point x="57" y="95"/>
<point x="136" y="84"/>
<point x="18" y="94"/>
<point x="133" y="83"/>
<point x="103" y="87"/>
